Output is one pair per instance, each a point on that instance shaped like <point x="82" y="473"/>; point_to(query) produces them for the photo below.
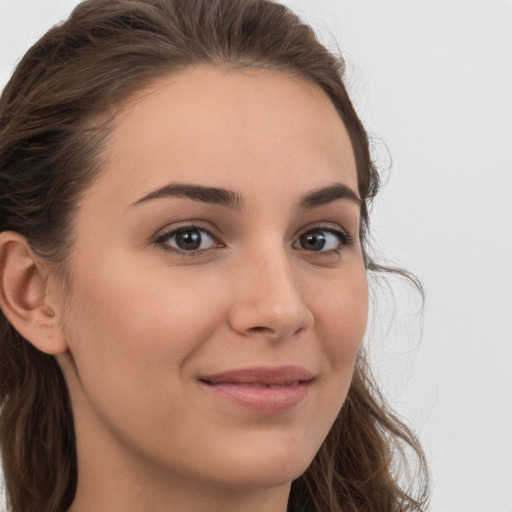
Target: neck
<point x="176" y="495"/>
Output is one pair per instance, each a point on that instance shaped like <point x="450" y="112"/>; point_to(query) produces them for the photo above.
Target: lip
<point x="263" y="389"/>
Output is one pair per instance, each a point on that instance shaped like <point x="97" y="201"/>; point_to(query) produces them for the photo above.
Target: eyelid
<point x="331" y="227"/>
<point x="164" y="234"/>
<point x="171" y="230"/>
<point x="345" y="239"/>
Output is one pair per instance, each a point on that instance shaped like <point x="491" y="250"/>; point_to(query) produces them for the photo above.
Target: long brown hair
<point x="55" y="116"/>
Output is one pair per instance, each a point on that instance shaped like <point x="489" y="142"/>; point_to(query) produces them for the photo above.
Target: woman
<point x="185" y="190"/>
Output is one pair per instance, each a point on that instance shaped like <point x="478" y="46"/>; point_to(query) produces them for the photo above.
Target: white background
<point x="432" y="81"/>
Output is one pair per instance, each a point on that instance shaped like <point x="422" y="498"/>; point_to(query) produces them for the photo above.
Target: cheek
<point x="131" y="335"/>
<point x="341" y="320"/>
<point x="342" y="312"/>
<point x="135" y="314"/>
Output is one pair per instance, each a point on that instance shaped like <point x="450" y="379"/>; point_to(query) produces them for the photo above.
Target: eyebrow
<point x="210" y="195"/>
<point x="327" y="195"/>
<point x="230" y="199"/>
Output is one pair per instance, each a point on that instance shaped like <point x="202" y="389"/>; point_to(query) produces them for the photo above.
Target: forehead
<point x="236" y="129"/>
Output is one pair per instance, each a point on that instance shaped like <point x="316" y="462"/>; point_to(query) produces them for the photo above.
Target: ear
<point x="24" y="295"/>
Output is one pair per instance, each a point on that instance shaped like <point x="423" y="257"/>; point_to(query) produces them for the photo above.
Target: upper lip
<point x="260" y="375"/>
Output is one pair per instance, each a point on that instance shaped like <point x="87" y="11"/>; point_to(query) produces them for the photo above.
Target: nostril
<point x="260" y="329"/>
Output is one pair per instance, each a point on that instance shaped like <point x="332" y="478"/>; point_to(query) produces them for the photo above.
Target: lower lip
<point x="262" y="399"/>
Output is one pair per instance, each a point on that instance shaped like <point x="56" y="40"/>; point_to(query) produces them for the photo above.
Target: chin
<point x="264" y="467"/>
<point x="262" y="478"/>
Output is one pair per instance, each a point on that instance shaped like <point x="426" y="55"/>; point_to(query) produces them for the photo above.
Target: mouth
<point x="269" y="390"/>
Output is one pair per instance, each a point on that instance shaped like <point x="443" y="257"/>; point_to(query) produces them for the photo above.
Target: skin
<point x="144" y="320"/>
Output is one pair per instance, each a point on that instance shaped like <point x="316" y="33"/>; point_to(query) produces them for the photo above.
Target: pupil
<point x="188" y="240"/>
<point x="313" y="241"/>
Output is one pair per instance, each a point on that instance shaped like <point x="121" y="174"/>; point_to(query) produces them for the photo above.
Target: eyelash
<point x="162" y="240"/>
<point x="345" y="240"/>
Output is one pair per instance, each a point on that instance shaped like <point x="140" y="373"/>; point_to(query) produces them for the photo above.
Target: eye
<point x="188" y="239"/>
<point x="322" y="240"/>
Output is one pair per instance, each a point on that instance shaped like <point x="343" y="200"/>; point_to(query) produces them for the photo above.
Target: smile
<point x="269" y="390"/>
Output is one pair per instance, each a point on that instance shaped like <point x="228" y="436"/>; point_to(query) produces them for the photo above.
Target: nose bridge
<point x="269" y="297"/>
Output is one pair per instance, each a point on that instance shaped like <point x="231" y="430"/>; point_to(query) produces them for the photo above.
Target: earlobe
<point x="24" y="297"/>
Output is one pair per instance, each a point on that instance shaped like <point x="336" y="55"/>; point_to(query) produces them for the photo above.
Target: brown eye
<point x="322" y="240"/>
<point x="312" y="241"/>
<point x="188" y="239"/>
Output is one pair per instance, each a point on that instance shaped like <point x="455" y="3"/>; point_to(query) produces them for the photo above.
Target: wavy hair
<point x="55" y="116"/>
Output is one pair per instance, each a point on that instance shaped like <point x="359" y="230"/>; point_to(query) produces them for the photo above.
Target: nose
<point x="269" y="302"/>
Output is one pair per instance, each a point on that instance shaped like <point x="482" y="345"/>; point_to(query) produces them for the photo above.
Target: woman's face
<point x="218" y="292"/>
